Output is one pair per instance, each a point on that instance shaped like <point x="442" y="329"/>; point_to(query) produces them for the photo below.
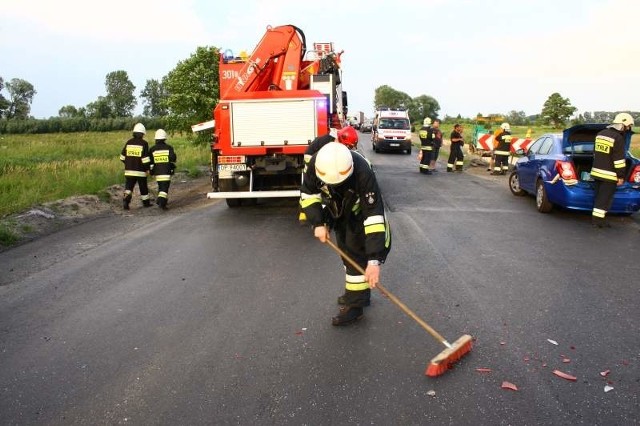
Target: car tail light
<point x="635" y="175"/>
<point x="566" y="171"/>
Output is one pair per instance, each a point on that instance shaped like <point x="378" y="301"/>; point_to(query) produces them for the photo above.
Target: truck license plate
<point x="232" y="167"/>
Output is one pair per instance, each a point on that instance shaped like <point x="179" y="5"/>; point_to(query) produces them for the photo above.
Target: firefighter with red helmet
<point x="339" y="192"/>
<point x="135" y="156"/>
<point x="347" y="136"/>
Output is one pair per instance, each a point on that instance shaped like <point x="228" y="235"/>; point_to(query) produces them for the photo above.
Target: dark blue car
<point x="556" y="169"/>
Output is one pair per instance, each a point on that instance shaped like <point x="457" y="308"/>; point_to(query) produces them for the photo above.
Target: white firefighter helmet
<point x="334" y="163"/>
<point x="139" y="128"/>
<point x="426" y="121"/>
<point x="624" y="118"/>
<point x="505" y="126"/>
<point x="161" y="135"/>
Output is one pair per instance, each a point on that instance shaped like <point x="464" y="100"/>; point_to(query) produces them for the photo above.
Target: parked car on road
<point x="366" y="127"/>
<point x="556" y="169"/>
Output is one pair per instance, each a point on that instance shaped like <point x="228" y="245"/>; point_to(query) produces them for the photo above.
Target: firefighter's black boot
<point x="355" y="298"/>
<point x="125" y="202"/>
<point x="162" y="203"/>
<point x="347" y="315"/>
<point x="146" y="203"/>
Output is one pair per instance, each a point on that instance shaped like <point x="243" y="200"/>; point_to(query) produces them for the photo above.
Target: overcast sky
<point x="470" y="55"/>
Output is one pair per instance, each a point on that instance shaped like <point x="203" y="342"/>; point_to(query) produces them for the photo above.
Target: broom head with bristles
<point x="443" y="361"/>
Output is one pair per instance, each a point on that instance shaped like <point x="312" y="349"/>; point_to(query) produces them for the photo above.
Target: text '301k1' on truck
<point x="273" y="104"/>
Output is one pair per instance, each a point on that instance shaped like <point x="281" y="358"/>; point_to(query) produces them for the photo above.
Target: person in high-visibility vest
<point x="135" y="156"/>
<point x="426" y="146"/>
<point x="502" y="150"/>
<point x="609" y="165"/>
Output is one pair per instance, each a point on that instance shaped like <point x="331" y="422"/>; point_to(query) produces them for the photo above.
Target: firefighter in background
<point x="502" y="144"/>
<point x="163" y="164"/>
<point x="346" y="136"/>
<point x="609" y="165"/>
<point x="135" y="156"/>
<point x="456" y="157"/>
<point x="339" y="192"/>
<point x="436" y="135"/>
<point x="426" y="146"/>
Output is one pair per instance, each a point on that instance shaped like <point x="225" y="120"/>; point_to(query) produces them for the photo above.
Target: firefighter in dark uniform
<point x="456" y="157"/>
<point x="502" y="150"/>
<point x="135" y="156"/>
<point x="436" y="134"/>
<point x="339" y="192"/>
<point x="609" y="165"/>
<point x="346" y="136"/>
<point x="426" y="146"/>
<point x="163" y="164"/>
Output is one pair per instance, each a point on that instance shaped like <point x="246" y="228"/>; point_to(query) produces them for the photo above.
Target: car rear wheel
<point x="542" y="202"/>
<point x="514" y="184"/>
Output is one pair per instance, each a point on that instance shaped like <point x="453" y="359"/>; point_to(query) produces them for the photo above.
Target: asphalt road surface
<point x="211" y="315"/>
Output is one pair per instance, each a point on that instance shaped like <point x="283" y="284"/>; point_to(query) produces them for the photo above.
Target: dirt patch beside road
<point x="50" y="217"/>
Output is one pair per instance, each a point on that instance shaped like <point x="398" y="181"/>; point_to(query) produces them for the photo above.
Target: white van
<point x="391" y="130"/>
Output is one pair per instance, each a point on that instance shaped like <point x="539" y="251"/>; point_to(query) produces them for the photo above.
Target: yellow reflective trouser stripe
<point x="145" y="197"/>
<point x="372" y="229"/>
<point x="619" y="164"/>
<point x="162" y="194"/>
<point x="599" y="213"/>
<point x="307" y="200"/>
<point x="146" y="160"/>
<point x="501" y="152"/>
<point x="135" y="173"/>
<point x="459" y="163"/>
<point x="450" y="165"/>
<point x="355" y="283"/>
<point x="163" y="178"/>
<point x="122" y="157"/>
<point x="426" y="148"/>
<point x="604" y="174"/>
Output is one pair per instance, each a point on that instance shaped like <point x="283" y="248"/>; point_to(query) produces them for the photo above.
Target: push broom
<point x="452" y="352"/>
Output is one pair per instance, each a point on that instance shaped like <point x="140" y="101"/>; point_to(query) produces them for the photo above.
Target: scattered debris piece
<point x="299" y="333"/>
<point x="625" y="362"/>
<point x="565" y="375"/>
<point x="526" y="359"/>
<point x="544" y="364"/>
<point x="509" y="385"/>
<point x="573" y="348"/>
<point x="566" y="360"/>
<point x="431" y="393"/>
<point x="304" y="328"/>
<point x="605" y="373"/>
<point x="483" y="370"/>
<point x="608" y="388"/>
<point x="503" y="343"/>
<point x="553" y="342"/>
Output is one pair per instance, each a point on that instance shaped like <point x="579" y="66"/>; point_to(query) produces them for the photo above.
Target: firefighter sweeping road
<point x="218" y="315"/>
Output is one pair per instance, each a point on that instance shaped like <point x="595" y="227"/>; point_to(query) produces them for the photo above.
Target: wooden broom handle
<point x="391" y="296"/>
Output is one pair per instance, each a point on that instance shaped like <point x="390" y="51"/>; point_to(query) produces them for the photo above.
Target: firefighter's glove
<point x="321" y="233"/>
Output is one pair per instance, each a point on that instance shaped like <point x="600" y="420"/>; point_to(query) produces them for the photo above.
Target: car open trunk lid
<point x="581" y="137"/>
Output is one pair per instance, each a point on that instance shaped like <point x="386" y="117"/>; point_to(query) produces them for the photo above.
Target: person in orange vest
<point x="502" y="150"/>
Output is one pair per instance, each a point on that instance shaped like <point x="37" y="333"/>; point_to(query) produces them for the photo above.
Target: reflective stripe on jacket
<point x="609" y="162"/>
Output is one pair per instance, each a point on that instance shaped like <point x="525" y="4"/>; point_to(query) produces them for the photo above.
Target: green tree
<point x="155" y="98"/>
<point x="192" y="89"/>
<point x="68" y="111"/>
<point x="557" y="110"/>
<point x="4" y="103"/>
<point x="386" y="96"/>
<point x="516" y="118"/>
<point x="423" y="106"/>
<point x="120" y="93"/>
<point x="21" y="94"/>
<point x="101" y="108"/>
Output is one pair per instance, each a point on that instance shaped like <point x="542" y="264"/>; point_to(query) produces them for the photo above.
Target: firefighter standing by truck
<point x="339" y="192"/>
<point x="135" y="156"/>
<point x="426" y="146"/>
<point x="502" y="150"/>
<point x="609" y="165"/>
<point x="163" y="164"/>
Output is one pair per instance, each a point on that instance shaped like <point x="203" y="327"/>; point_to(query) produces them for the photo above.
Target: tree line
<point x="189" y="92"/>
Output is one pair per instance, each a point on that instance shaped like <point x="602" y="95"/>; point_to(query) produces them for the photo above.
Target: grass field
<point x="39" y="168"/>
